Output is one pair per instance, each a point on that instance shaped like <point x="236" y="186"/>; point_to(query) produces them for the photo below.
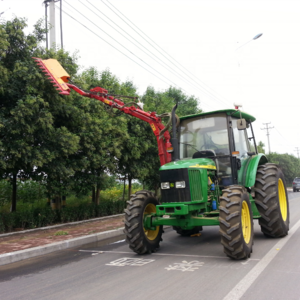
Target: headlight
<point x="180" y="184"/>
<point x="165" y="185"/>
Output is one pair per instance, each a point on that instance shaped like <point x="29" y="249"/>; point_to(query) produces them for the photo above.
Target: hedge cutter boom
<point x="60" y="80"/>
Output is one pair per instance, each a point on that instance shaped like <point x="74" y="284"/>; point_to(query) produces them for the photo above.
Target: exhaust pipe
<point x="174" y="139"/>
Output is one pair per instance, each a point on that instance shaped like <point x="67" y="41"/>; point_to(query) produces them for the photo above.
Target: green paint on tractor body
<point x="192" y="186"/>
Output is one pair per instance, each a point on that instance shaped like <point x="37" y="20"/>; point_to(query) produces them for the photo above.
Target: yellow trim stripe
<point x="204" y="166"/>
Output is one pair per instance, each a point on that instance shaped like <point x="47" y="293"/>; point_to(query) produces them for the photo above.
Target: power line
<point x="282" y="136"/>
<point x="127" y="50"/>
<point x="152" y="45"/>
<point x="155" y="58"/>
<point x="123" y="46"/>
<point x="132" y="52"/>
<point x="117" y="48"/>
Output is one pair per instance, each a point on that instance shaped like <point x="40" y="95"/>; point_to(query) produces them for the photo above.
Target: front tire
<point x="236" y="222"/>
<point x="272" y="201"/>
<point x="140" y="240"/>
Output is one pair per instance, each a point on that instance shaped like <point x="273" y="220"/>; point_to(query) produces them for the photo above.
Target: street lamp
<point x="253" y="39"/>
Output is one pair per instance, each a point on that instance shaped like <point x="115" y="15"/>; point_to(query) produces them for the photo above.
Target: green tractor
<point x="211" y="174"/>
<point x="216" y="177"/>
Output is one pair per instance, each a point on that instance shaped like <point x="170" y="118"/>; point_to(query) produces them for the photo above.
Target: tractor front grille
<point x="195" y="184"/>
<point x="173" y="194"/>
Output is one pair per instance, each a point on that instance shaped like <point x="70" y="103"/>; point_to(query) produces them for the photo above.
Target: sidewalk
<point x="21" y="245"/>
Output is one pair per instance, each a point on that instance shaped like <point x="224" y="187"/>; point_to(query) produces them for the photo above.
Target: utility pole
<point x="268" y="134"/>
<point x="52" y="24"/>
<point x="46" y="22"/>
<point x="51" y="4"/>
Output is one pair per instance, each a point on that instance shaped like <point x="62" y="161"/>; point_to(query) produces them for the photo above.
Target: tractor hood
<point x="197" y="163"/>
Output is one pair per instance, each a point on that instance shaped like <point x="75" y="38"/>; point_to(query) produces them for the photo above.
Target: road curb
<point x="58" y="225"/>
<point x="12" y="257"/>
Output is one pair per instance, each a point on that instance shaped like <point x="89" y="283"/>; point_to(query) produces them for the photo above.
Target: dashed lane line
<point x="239" y="290"/>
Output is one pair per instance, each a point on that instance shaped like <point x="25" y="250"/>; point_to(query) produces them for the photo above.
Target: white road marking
<point x="121" y="241"/>
<point x="169" y="254"/>
<point x="126" y="261"/>
<point x="185" y="266"/>
<point x="239" y="290"/>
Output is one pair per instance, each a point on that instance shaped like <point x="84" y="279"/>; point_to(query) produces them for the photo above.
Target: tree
<point x="162" y="102"/>
<point x="187" y="105"/>
<point x="103" y="140"/>
<point x="288" y="163"/>
<point x="140" y="154"/>
<point x="261" y="147"/>
<point x="141" y="161"/>
<point x="27" y="131"/>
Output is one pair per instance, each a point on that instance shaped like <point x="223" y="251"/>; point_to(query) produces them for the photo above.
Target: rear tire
<point x="271" y="199"/>
<point x="236" y="222"/>
<point x="187" y="232"/>
<point x="140" y="240"/>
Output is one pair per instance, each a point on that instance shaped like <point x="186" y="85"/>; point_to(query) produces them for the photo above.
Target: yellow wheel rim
<point x="150" y="234"/>
<point x="282" y="199"/>
<point x="246" y="222"/>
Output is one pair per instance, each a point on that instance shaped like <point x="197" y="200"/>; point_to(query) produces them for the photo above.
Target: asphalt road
<point x="183" y="268"/>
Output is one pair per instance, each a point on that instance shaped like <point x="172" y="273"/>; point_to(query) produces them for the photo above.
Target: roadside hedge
<point x="41" y="217"/>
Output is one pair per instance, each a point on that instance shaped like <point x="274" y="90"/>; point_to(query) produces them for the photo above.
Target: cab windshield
<point x="204" y="133"/>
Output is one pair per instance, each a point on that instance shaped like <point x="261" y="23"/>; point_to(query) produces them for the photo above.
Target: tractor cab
<point x="224" y="136"/>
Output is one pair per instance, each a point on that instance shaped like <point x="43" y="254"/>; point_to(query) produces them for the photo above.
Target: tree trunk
<point x="14" y="194"/>
<point x="58" y="202"/>
<point x="93" y="195"/>
<point x="155" y="189"/>
<point x="53" y="203"/>
<point x="129" y="187"/>
<point x="97" y="198"/>
<point x="64" y="201"/>
<point x="124" y="188"/>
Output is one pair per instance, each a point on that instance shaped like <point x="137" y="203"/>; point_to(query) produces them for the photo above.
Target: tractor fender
<point x="249" y="174"/>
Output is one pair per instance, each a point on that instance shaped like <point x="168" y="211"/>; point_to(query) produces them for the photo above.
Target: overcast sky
<point x="205" y="47"/>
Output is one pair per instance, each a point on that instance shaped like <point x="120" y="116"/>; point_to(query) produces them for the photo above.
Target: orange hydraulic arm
<point x="60" y="78"/>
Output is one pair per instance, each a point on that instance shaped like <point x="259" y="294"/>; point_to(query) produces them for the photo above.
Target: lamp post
<point x="253" y="39"/>
<point x="257" y="36"/>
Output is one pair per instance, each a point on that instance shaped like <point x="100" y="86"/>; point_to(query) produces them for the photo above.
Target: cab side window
<point x="241" y="141"/>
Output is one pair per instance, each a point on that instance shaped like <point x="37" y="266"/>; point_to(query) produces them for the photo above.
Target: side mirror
<point x="241" y="124"/>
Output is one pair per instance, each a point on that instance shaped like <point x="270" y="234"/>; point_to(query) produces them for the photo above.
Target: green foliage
<point x="60" y="232"/>
<point x="162" y="102"/>
<point x="31" y="191"/>
<point x="70" y="143"/>
<point x="289" y="164"/>
<point x="116" y="192"/>
<point x="187" y="105"/>
<point x="5" y="192"/>
<point x="261" y="147"/>
<point x="45" y="216"/>
<point x="28" y="192"/>
<point x="32" y="134"/>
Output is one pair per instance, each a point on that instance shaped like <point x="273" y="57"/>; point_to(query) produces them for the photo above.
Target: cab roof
<point x="230" y="112"/>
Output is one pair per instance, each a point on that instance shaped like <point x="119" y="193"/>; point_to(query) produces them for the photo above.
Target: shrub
<point x="5" y="192"/>
<point x="33" y="217"/>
